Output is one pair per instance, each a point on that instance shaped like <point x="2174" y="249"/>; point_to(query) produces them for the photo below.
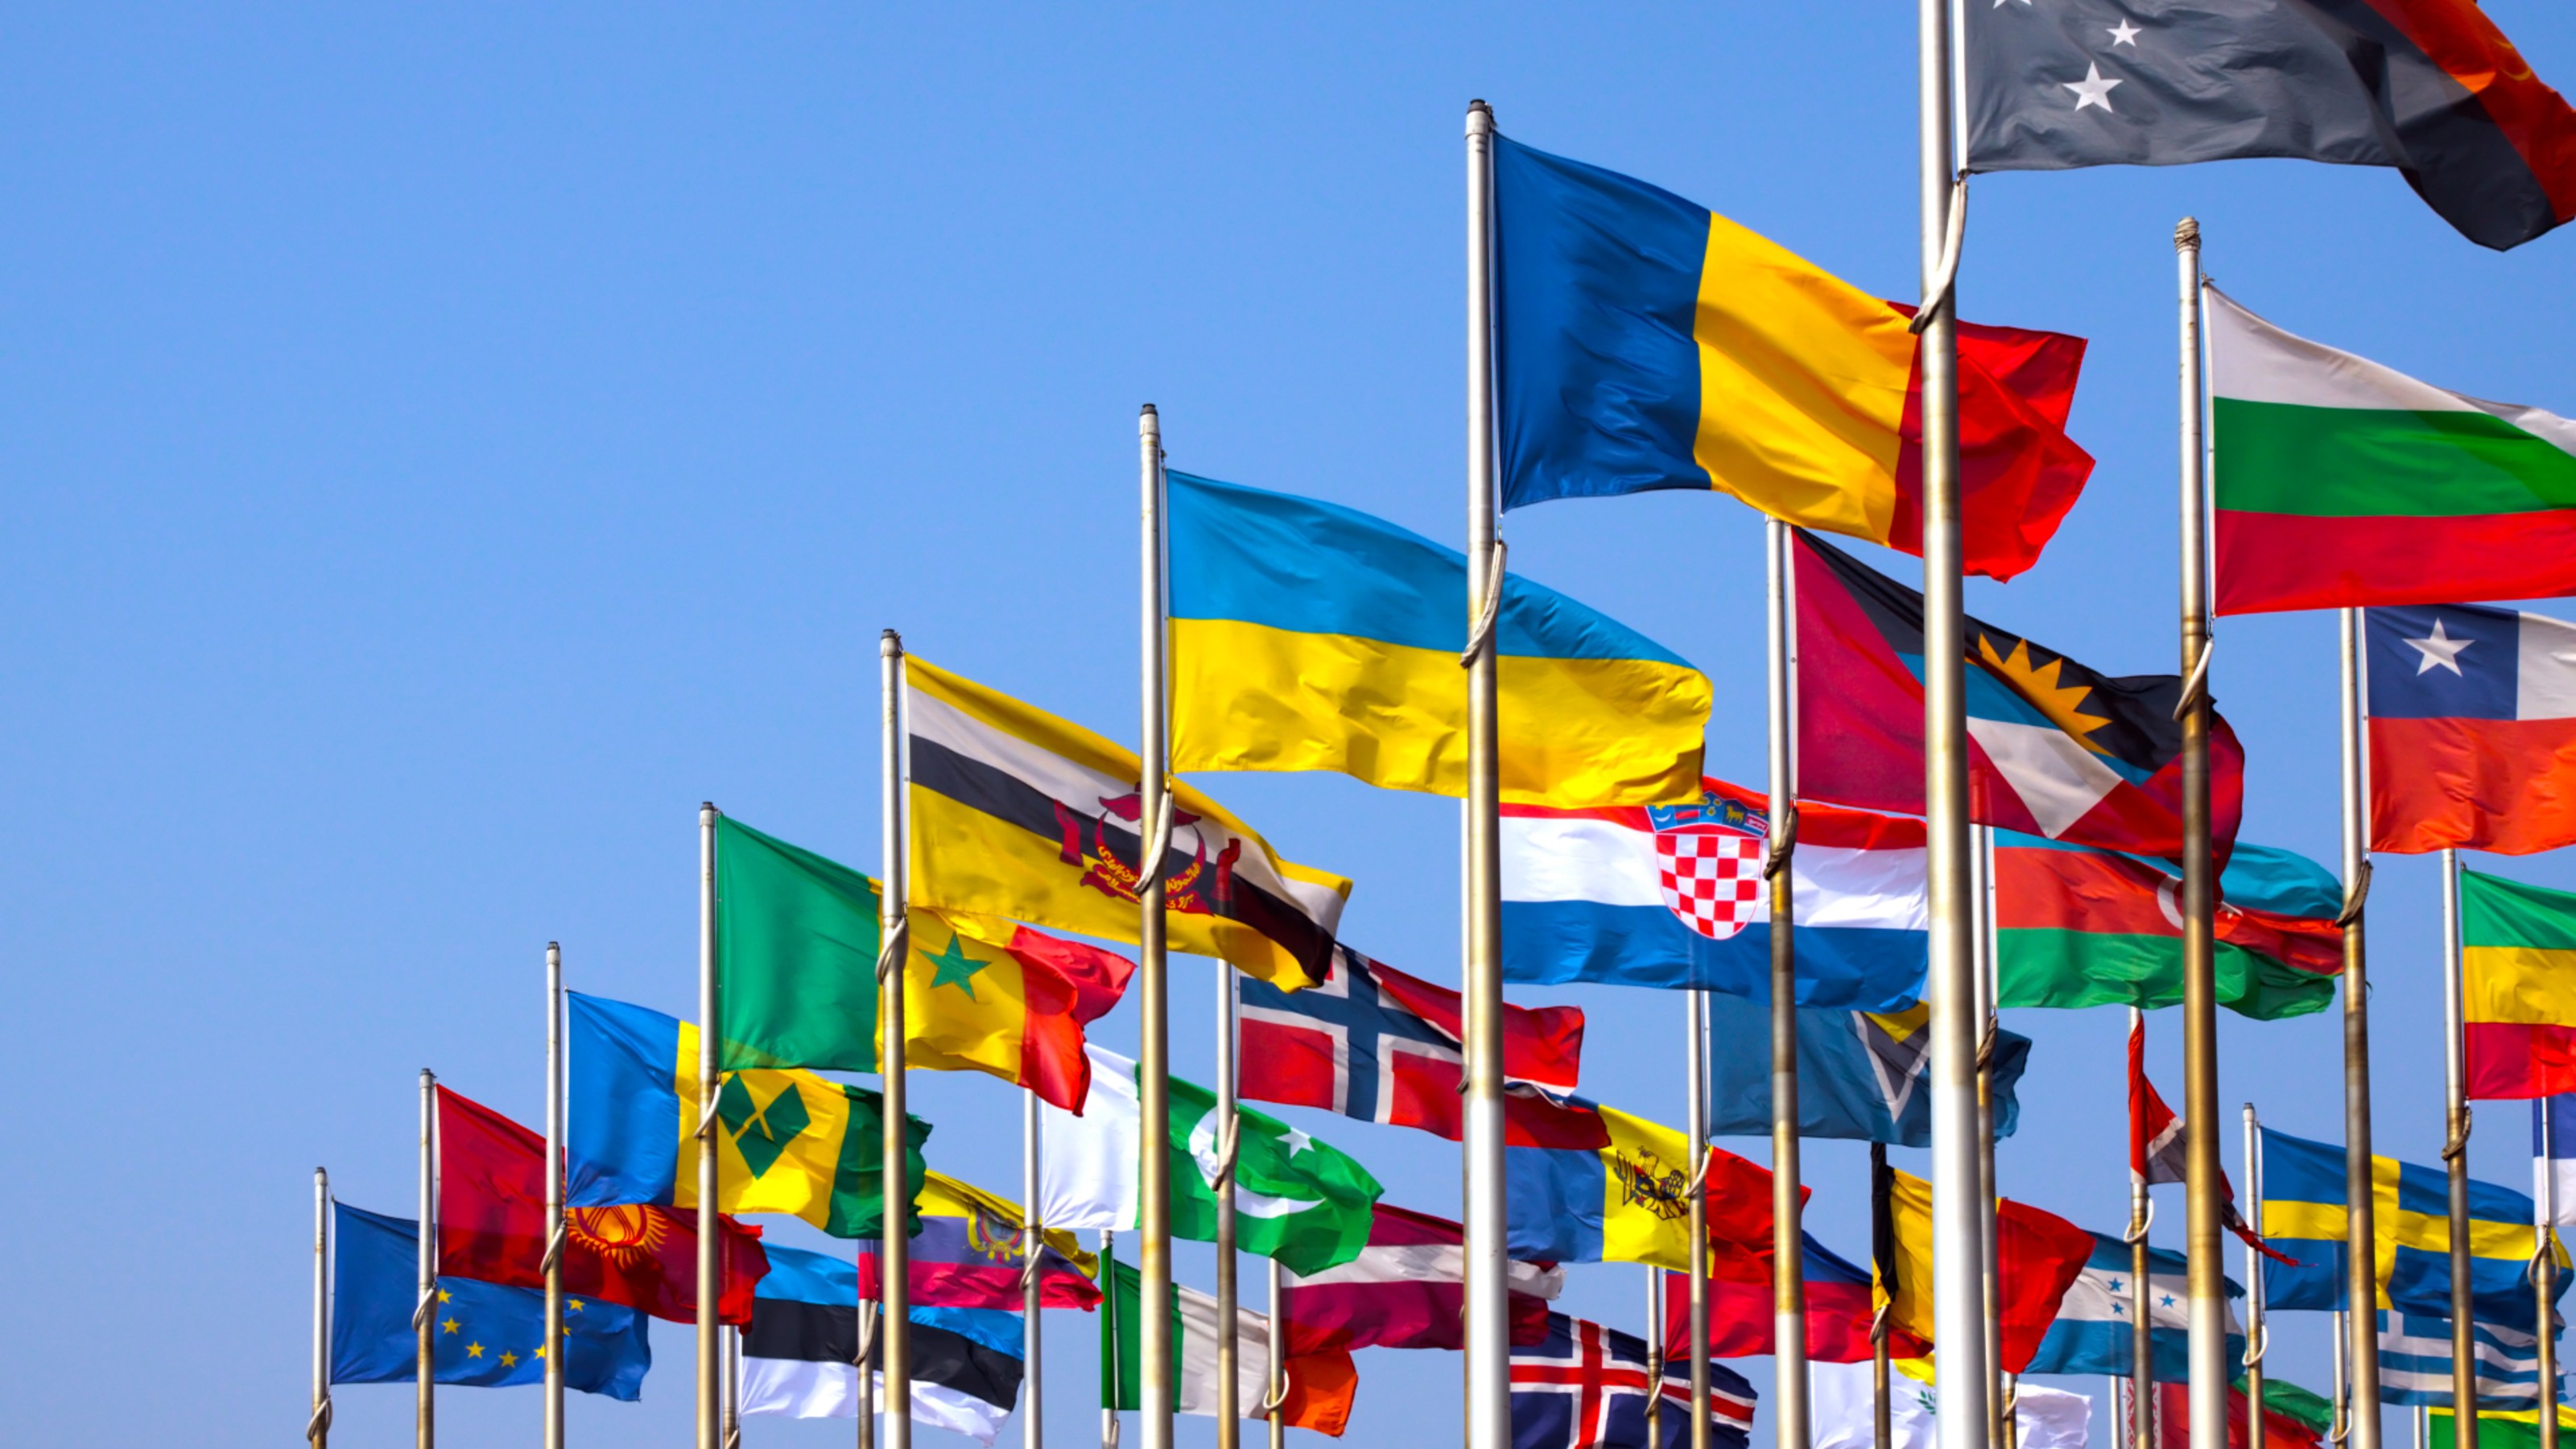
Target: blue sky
<point x="445" y="445"/>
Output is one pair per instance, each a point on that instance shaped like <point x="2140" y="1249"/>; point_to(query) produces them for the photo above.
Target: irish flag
<point x="2342" y="483"/>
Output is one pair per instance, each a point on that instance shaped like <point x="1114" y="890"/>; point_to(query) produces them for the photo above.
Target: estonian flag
<point x="800" y="1354"/>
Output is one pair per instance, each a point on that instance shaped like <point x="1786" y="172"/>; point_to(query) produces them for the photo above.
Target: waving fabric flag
<point x="1673" y="896"/>
<point x="2078" y="927"/>
<point x="800" y="1355"/>
<point x="2040" y="1257"/>
<point x="1643" y="343"/>
<point x="2054" y="749"/>
<point x="2344" y="483"/>
<point x="1373" y="1043"/>
<point x="2472" y="728"/>
<point x="2415" y="1362"/>
<point x="1587" y="1387"/>
<point x="1741" y="1323"/>
<point x="1309" y="636"/>
<point x="2553" y="1156"/>
<point x="2518" y="987"/>
<point x="1407" y="1289"/>
<point x="1861" y="1074"/>
<point x="2096" y="1327"/>
<point x="487" y="1336"/>
<point x="2159" y="1143"/>
<point x="2509" y="1429"/>
<point x="967" y="1254"/>
<point x="1623" y="1203"/>
<point x="796" y="956"/>
<point x="1321" y="1383"/>
<point x="1020" y="816"/>
<point x="1000" y="998"/>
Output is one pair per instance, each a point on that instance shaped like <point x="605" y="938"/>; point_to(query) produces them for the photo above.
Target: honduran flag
<point x="2472" y="729"/>
<point x="1673" y="896"/>
<point x="2096" y="1327"/>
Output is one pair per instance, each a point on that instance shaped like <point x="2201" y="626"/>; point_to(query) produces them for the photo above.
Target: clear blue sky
<point x="443" y="445"/>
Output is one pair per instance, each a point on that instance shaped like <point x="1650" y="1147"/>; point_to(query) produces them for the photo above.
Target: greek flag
<point x="2415" y="1363"/>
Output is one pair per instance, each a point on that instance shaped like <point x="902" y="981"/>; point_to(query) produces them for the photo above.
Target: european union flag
<point x="487" y="1336"/>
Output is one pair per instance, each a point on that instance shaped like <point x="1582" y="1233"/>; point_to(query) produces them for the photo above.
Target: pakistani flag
<point x="1295" y="1199"/>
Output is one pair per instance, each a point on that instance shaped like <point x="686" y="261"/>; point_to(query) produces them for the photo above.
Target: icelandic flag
<point x="1673" y="896"/>
<point x="2472" y="729"/>
<point x="1585" y="1387"/>
<point x="2096" y="1327"/>
<point x="2553" y="1157"/>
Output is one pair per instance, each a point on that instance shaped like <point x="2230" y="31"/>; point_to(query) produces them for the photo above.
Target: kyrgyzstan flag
<point x="492" y="1227"/>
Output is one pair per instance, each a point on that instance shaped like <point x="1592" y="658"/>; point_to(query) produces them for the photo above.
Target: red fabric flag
<point x="2173" y="1422"/>
<point x="1406" y="1289"/>
<point x="2156" y="1139"/>
<point x="1067" y="985"/>
<point x="492" y="1227"/>
<point x="2018" y="470"/>
<point x="1740" y="1322"/>
<point x="2041" y="1256"/>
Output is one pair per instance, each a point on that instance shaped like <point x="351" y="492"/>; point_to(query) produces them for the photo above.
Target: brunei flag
<point x="786" y="1141"/>
<point x="2054" y="748"/>
<point x="1018" y="815"/>
<point x="984" y="996"/>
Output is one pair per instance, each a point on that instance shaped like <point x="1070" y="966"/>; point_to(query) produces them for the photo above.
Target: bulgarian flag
<point x="2342" y="483"/>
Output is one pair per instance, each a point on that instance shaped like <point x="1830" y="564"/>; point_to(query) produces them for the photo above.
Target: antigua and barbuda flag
<point x="1673" y="896"/>
<point x="1586" y="1387"/>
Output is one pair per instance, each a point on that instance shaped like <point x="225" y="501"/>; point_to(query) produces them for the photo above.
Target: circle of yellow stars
<point x="507" y="1359"/>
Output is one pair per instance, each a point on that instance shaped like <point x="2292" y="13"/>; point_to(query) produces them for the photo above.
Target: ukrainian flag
<point x="1309" y="636"/>
<point x="2303" y="1216"/>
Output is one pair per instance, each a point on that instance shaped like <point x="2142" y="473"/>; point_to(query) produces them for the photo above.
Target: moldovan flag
<point x="1321" y="1384"/>
<point x="492" y="1227"/>
<point x="2341" y="482"/>
<point x="1018" y="815"/>
<point x="1642" y="342"/>
<point x="2518" y="956"/>
<point x="2042" y="1256"/>
<point x="787" y="1141"/>
<point x="1623" y="1203"/>
<point x="2472" y="729"/>
<point x="1309" y="636"/>
<point x="991" y="996"/>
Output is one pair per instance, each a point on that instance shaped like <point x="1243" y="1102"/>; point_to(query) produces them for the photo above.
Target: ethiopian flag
<point x="2518" y="987"/>
<point x="2343" y="483"/>
<point x="1001" y="998"/>
<point x="2078" y="927"/>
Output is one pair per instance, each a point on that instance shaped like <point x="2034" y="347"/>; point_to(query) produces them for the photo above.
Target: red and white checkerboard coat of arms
<point x="1708" y="862"/>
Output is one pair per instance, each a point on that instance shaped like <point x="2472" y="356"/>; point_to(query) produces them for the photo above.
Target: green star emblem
<point x="956" y="968"/>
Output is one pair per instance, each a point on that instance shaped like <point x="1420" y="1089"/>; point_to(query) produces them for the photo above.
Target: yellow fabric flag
<point x="998" y="997"/>
<point x="790" y="1142"/>
<point x="1645" y="1216"/>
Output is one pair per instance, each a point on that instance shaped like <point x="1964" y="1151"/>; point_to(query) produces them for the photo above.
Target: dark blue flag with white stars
<point x="487" y="1336"/>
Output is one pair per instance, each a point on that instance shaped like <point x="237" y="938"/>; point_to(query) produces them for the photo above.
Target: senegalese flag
<point x="996" y="997"/>
<point x="1020" y="816"/>
<point x="787" y="1141"/>
<point x="2518" y="987"/>
<point x="2342" y="483"/>
<point x="1309" y="636"/>
<point x="796" y="956"/>
<point x="2081" y="927"/>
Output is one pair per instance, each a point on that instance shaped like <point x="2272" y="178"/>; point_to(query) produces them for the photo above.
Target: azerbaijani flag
<point x="1309" y="636"/>
<point x="2518" y="987"/>
<point x="1642" y="342"/>
<point x="2081" y="927"/>
<point x="2472" y="729"/>
<point x="2342" y="483"/>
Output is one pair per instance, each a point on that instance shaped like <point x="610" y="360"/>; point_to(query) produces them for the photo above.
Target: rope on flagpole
<point x="889" y="954"/>
<point x="1158" y="845"/>
<point x="555" y="1246"/>
<point x="2457" y="1145"/>
<point x="2353" y="895"/>
<point x="320" y="1423"/>
<point x="1783" y="843"/>
<point x="1949" y="270"/>
<point x="420" y="1315"/>
<point x="2195" y="690"/>
<point x="1483" y="633"/>
<point x="2138" y="1227"/>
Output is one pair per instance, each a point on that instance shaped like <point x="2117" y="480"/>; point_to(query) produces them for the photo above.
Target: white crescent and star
<point x="1246" y="1201"/>
<point x="2440" y="651"/>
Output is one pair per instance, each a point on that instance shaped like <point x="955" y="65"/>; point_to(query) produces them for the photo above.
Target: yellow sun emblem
<point x="2062" y="704"/>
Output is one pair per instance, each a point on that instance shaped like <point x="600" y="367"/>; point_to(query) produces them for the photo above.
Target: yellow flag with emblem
<point x="791" y="1142"/>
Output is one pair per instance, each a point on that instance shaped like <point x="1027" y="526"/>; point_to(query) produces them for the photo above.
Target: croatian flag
<point x="2472" y="729"/>
<point x="1673" y="896"/>
<point x="1586" y="1387"/>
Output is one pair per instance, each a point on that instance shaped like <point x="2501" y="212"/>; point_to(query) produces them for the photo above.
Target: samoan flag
<point x="1586" y="1387"/>
<point x="1673" y="896"/>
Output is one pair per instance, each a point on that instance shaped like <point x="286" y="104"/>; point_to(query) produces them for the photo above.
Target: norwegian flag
<point x="1373" y="1043"/>
<point x="1586" y="1387"/>
<point x="2157" y="1142"/>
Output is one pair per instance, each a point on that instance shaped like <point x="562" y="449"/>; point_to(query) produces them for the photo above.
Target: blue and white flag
<point x="2415" y="1363"/>
<point x="2553" y="1157"/>
<point x="2096" y="1327"/>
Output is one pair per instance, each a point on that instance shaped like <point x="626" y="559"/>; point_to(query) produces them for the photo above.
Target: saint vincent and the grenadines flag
<point x="2343" y="483"/>
<point x="1309" y="636"/>
<point x="2055" y="749"/>
<point x="1642" y="342"/>
<point x="2518" y="987"/>
<point x="1018" y="815"/>
<point x="788" y="1141"/>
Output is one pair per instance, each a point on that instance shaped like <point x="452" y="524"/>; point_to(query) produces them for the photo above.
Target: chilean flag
<point x="1373" y="1043"/>
<point x="1407" y="1289"/>
<point x="1673" y="896"/>
<point x="2472" y="729"/>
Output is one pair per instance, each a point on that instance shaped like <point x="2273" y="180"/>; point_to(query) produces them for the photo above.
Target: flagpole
<point x="1658" y="1343"/>
<point x="894" y="1253"/>
<point x="424" y="1317"/>
<point x="1882" y="1265"/>
<point x="2343" y="1416"/>
<point x="1109" y="1338"/>
<point x="317" y="1429"/>
<point x="1154" y="1053"/>
<point x="2142" y="1323"/>
<point x="2361" y="1283"/>
<point x="1488" y="1318"/>
<point x="2545" y="1281"/>
<point x="2455" y="1158"/>
<point x="867" y="1385"/>
<point x="1958" y="1297"/>
<point x="733" y="1389"/>
<point x="1229" y="1321"/>
<point x="1277" y="1377"/>
<point x="2257" y="1334"/>
<point x="1788" y="1258"/>
<point x="1989" y="1255"/>
<point x="1032" y="1243"/>
<point x="1696" y="1055"/>
<point x="553" y="1264"/>
<point x="709" y="1261"/>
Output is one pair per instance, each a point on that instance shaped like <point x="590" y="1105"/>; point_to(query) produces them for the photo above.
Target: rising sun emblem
<point x="2037" y="683"/>
<point x="622" y="1235"/>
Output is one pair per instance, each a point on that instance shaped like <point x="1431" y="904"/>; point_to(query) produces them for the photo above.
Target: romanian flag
<point x="2042" y="1256"/>
<point x="969" y="1253"/>
<point x="2518" y="958"/>
<point x="1642" y="342"/>
<point x="2081" y="927"/>
<point x="1309" y="636"/>
<point x="987" y="996"/>
<point x="1018" y="815"/>
<point x="787" y="1141"/>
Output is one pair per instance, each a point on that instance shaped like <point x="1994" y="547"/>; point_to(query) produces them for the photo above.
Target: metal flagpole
<point x="1032" y="1243"/>
<point x="2455" y="1157"/>
<point x="2361" y="1283"/>
<point x="2545" y="1278"/>
<point x="1989" y="1232"/>
<point x="1657" y="1342"/>
<point x="1789" y="1276"/>
<point x="1109" y="1339"/>
<point x="1696" y="1055"/>
<point x="867" y="1385"/>
<point x="1229" y="1319"/>
<point x="2343" y="1418"/>
<point x="424" y="1316"/>
<point x="894" y="1252"/>
<point x="710" y="1264"/>
<point x="2257" y="1335"/>
<point x="1958" y="1299"/>
<point x="1882" y="1263"/>
<point x="553" y="1264"/>
<point x="1154" y="1065"/>
<point x="1488" y="1317"/>
<point x="1277" y="1376"/>
<point x="317" y="1430"/>
<point x="2142" y="1334"/>
<point x="733" y="1389"/>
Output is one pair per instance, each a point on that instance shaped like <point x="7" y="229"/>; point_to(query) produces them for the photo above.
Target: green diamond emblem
<point x="761" y="1132"/>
